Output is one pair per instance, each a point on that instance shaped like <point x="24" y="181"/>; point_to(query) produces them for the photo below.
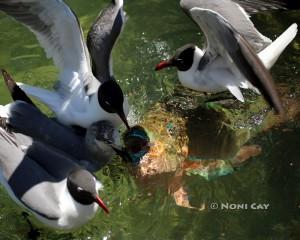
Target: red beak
<point x="164" y="64"/>
<point x="100" y="202"/>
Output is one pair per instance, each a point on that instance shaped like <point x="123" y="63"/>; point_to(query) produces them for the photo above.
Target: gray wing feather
<point x="24" y="176"/>
<point x="254" y="6"/>
<point x="58" y="31"/>
<point x="101" y="39"/>
<point x="27" y="119"/>
<point x="32" y="179"/>
<point x="235" y="15"/>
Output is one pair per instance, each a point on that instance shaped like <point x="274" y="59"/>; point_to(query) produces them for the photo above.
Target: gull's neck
<point x="187" y="78"/>
<point x="99" y="152"/>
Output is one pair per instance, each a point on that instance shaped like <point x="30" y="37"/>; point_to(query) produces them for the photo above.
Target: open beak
<point x="100" y="202"/>
<point x="164" y="64"/>
<point x="123" y="118"/>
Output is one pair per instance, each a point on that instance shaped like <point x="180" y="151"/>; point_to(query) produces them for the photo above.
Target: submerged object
<point x="186" y="142"/>
<point x="136" y="143"/>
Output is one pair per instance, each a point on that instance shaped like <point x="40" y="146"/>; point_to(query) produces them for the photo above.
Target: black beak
<point x="123" y="118"/>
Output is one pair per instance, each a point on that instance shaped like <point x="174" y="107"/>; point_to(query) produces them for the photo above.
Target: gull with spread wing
<point x="79" y="98"/>
<point x="237" y="55"/>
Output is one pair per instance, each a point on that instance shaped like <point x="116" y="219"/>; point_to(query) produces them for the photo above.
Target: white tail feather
<point x="119" y="3"/>
<point x="271" y="53"/>
<point x="248" y="85"/>
<point x="50" y="98"/>
<point x="4" y="111"/>
<point x="235" y="91"/>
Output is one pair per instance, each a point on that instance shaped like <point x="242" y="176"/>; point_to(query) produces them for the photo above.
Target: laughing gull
<point x="230" y="60"/>
<point x="92" y="151"/>
<point x="79" y="97"/>
<point x="45" y="181"/>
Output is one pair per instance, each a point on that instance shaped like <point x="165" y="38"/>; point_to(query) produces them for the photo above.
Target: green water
<point x="146" y="210"/>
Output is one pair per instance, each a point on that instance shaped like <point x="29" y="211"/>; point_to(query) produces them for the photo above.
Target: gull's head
<point x="111" y="99"/>
<point x="183" y="59"/>
<point x="83" y="187"/>
<point x="100" y="140"/>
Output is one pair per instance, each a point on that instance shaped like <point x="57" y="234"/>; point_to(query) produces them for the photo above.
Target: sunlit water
<point x="144" y="209"/>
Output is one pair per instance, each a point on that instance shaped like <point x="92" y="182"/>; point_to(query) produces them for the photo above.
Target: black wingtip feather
<point x="15" y="91"/>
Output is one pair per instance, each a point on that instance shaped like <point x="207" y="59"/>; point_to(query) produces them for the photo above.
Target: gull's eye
<point x="110" y="105"/>
<point x="179" y="61"/>
<point x="79" y="189"/>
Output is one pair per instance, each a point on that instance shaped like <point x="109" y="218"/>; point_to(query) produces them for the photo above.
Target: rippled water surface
<point x="144" y="207"/>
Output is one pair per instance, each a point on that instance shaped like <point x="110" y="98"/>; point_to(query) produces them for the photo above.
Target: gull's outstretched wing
<point x="102" y="37"/>
<point x="235" y="15"/>
<point x="225" y="41"/>
<point x="57" y="29"/>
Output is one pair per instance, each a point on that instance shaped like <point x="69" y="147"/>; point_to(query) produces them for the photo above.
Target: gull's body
<point x="236" y="54"/>
<point x="79" y="97"/>
<point x="38" y="177"/>
<point x="92" y="151"/>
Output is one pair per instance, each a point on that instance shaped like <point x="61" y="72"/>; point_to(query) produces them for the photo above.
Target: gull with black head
<point x="45" y="181"/>
<point x="237" y="55"/>
<point x="79" y="97"/>
<point x="92" y="151"/>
